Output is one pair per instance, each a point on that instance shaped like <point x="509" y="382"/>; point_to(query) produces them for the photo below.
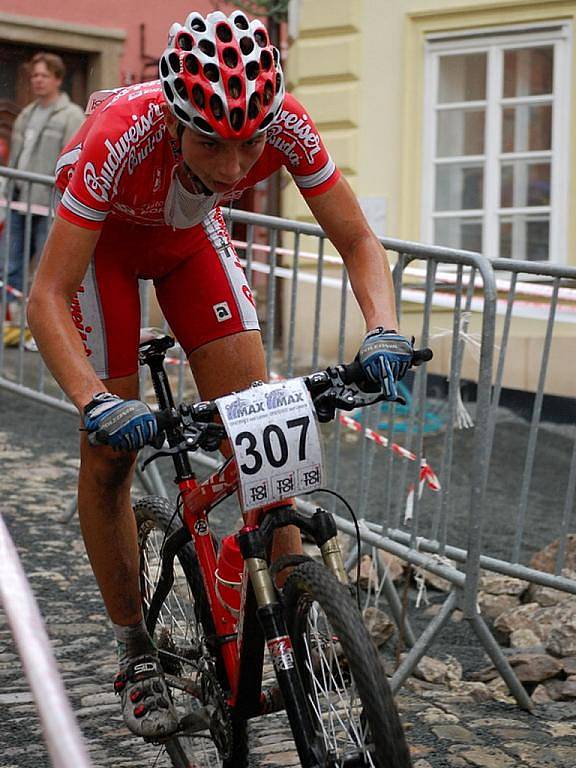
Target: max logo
<point x="280" y="397"/>
<point x="240" y="408"/>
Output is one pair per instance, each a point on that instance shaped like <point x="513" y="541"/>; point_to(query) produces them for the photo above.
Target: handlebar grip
<point x="353" y="373"/>
<point x="422" y="356"/>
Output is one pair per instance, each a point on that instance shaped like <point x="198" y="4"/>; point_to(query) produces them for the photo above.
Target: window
<point x="496" y="142"/>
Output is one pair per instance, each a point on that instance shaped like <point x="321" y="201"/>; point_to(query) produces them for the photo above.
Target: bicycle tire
<point x="183" y="627"/>
<point x="351" y="703"/>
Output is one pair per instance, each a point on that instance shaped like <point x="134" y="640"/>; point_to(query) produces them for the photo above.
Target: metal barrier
<point x="385" y="477"/>
<point x="61" y="732"/>
<point x="308" y="320"/>
<point x="550" y="301"/>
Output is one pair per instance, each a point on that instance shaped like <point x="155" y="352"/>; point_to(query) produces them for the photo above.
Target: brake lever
<point x="346" y="397"/>
<point x="189" y="444"/>
<point x="207" y="436"/>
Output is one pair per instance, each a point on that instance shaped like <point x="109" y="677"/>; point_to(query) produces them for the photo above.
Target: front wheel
<point x="183" y="633"/>
<point x="350" y="701"/>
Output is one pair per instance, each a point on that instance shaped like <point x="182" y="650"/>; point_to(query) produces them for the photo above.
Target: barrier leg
<point x="499" y="660"/>
<point x="423" y="643"/>
<point x="395" y="605"/>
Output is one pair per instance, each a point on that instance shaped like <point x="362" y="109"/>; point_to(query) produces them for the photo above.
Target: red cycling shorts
<point x="199" y="281"/>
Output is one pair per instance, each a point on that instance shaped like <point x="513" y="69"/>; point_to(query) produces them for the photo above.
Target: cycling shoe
<point x="146" y="704"/>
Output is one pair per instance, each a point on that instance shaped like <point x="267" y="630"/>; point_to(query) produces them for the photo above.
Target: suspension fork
<point x="271" y="616"/>
<point x="320" y="526"/>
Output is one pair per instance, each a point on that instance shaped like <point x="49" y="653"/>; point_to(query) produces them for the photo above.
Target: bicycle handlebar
<point x="353" y="373"/>
<point x="344" y="386"/>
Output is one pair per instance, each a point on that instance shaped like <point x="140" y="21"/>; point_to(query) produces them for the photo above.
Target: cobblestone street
<point x="38" y="467"/>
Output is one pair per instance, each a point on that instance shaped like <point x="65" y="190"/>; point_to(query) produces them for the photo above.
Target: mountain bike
<point x="213" y="607"/>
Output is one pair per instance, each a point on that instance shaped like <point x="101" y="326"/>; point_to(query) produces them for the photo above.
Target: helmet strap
<point x="197" y="183"/>
<point x="176" y="144"/>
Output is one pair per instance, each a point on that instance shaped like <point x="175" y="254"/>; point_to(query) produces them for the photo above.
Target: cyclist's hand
<point x="124" y="424"/>
<point x="385" y="357"/>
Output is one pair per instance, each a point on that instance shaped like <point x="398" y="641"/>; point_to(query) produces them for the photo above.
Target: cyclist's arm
<point x="66" y="257"/>
<point x="338" y="213"/>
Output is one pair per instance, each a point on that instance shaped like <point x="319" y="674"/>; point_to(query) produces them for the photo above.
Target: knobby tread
<point x="313" y="582"/>
<point x="160" y="512"/>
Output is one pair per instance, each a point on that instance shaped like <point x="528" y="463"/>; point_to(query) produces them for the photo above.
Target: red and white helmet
<point x="221" y="75"/>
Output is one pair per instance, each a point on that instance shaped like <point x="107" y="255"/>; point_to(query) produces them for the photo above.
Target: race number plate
<point x="273" y="433"/>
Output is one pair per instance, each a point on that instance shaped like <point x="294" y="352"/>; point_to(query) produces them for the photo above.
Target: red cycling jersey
<point x="120" y="163"/>
<point x="116" y="176"/>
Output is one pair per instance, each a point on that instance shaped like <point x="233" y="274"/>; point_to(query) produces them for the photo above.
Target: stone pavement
<point x="37" y="478"/>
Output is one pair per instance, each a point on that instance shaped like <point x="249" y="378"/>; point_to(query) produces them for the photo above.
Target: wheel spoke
<point x="332" y="691"/>
<point x="179" y="637"/>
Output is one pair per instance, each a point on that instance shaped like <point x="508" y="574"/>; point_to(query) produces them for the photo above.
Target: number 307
<point x="274" y="445"/>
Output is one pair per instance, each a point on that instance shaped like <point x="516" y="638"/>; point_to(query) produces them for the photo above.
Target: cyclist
<point x="140" y="186"/>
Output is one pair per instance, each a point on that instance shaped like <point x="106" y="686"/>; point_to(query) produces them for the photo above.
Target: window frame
<point x="493" y="41"/>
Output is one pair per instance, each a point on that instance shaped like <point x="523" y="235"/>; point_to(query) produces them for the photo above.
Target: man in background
<point x="39" y="134"/>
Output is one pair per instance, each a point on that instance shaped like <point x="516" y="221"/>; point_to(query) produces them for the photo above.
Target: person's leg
<point x="40" y="228"/>
<point x="106" y="312"/>
<point x="227" y="365"/>
<point x="16" y="250"/>
<point x="106" y="518"/>
<point x="210" y="309"/>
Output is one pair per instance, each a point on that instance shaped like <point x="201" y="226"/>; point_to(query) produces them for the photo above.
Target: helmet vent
<point x="252" y="70"/>
<point x="185" y="42"/>
<point x="216" y="106"/>
<point x="180" y="114"/>
<point x="241" y="21"/>
<point x="224" y="33"/>
<point x="174" y="60"/>
<point x="278" y="82"/>
<point x="207" y="47"/>
<point x="180" y="88"/>
<point x="261" y="38"/>
<point x="198" y="25"/>
<point x="237" y="118"/>
<point x="267" y="120"/>
<point x="276" y="54"/>
<point x="268" y="93"/>
<point x="191" y="64"/>
<point x="254" y="106"/>
<point x="235" y="87"/>
<point x="212" y="73"/>
<point x="230" y="58"/>
<point x="202" y="125"/>
<point x="246" y="45"/>
<point x="198" y="96"/>
<point x="168" y="91"/>
<point x="266" y="60"/>
<point x="164" y="70"/>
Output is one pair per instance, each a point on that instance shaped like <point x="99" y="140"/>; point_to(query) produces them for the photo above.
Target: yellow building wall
<point x="358" y="66"/>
